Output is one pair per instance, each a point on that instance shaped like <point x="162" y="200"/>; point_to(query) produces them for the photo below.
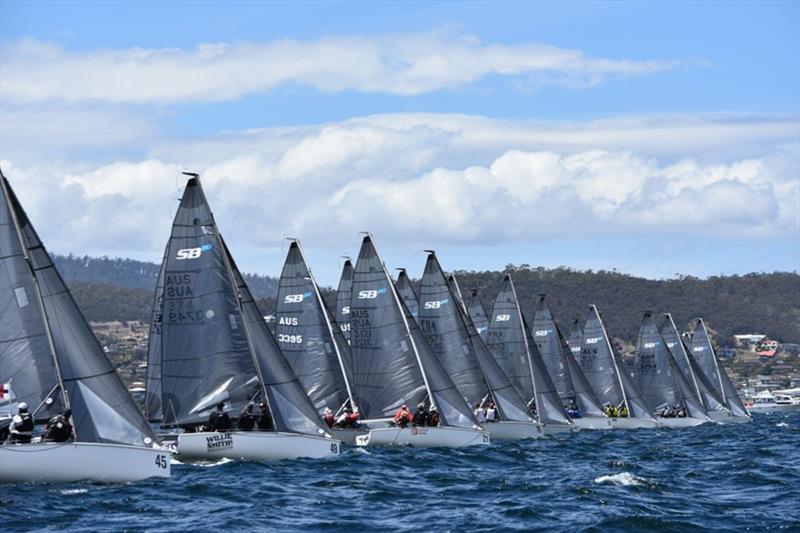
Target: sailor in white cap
<point x="21" y="428"/>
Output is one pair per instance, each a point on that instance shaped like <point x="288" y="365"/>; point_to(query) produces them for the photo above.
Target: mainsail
<point x="689" y="366"/>
<point x="444" y="330"/>
<point x="576" y="338"/>
<point x="607" y="376"/>
<point x="406" y="292"/>
<point x="478" y="314"/>
<point x="309" y="338"/>
<point x="392" y="364"/>
<point x="657" y="374"/>
<point x="703" y="352"/>
<point x="42" y="328"/>
<point x="152" y="398"/>
<point x="561" y="364"/>
<point x="510" y="343"/>
<point x="343" y="295"/>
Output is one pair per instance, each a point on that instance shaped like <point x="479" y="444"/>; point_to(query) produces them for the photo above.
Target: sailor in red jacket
<point x="327" y="417"/>
<point x="403" y="417"/>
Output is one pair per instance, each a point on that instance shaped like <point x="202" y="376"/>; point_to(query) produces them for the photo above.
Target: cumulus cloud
<point x="400" y="64"/>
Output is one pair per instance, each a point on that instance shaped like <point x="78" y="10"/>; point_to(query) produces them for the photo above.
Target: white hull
<point x="512" y="430"/>
<point x="767" y="409"/>
<point x="684" y="422"/>
<point x="425" y="437"/>
<point x="347" y="436"/>
<point x="254" y="446"/>
<point x="77" y="461"/>
<point x="632" y="423"/>
<point x="558" y="428"/>
<point x="725" y="417"/>
<point x="593" y="422"/>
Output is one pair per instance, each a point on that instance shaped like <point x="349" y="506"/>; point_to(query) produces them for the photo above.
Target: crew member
<point x="491" y="413"/>
<point x="420" y="415"/>
<point x="480" y="414"/>
<point x="264" y="421"/>
<point x="327" y="417"/>
<point x="247" y="420"/>
<point x="21" y="428"/>
<point x="219" y="420"/>
<point x="59" y="428"/>
<point x="433" y="417"/>
<point x="403" y="416"/>
<point x="623" y="412"/>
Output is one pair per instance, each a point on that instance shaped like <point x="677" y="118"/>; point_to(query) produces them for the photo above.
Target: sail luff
<point x="613" y="360"/>
<point x="152" y="403"/>
<point x="343" y="296"/>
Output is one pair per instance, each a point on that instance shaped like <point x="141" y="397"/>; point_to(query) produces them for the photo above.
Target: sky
<point x="652" y="138"/>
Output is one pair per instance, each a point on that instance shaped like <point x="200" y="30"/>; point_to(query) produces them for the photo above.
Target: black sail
<point x="205" y="356"/>
<point x="576" y="338"/>
<point x="703" y="352"/>
<point x="478" y="314"/>
<point x="308" y="337"/>
<point x="152" y="402"/>
<point x="657" y="374"/>
<point x="443" y="327"/>
<point x="102" y="408"/>
<point x="689" y="366"/>
<point x="406" y="292"/>
<point x="548" y="342"/>
<point x="291" y="408"/>
<point x="605" y="372"/>
<point x="343" y="295"/>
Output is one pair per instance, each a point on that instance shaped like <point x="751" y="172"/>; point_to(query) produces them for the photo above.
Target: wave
<point x="623" y="479"/>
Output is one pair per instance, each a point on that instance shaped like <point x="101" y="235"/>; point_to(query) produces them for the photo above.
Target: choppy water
<point x="740" y="477"/>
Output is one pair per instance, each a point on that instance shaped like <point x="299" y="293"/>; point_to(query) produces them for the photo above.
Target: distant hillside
<point x="132" y="274"/>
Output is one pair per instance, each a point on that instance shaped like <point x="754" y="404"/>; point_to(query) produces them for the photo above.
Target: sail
<point x="343" y="294"/>
<point x="26" y="359"/>
<point x="609" y="380"/>
<point x="306" y="337"/>
<point x="406" y="292"/>
<point x="205" y="356"/>
<point x="689" y="366"/>
<point x="657" y="375"/>
<point x="386" y="373"/>
<point x="588" y="403"/>
<point x="102" y="409"/>
<point x="548" y="343"/>
<point x="703" y="352"/>
<point x="152" y="401"/>
<point x="576" y="338"/>
<point x="478" y="314"/>
<point x="444" y="330"/>
<point x="291" y="408"/>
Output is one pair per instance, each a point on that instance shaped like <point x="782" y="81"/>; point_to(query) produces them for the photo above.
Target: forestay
<point x="703" y="352"/>
<point x="610" y="382"/>
<point x="343" y="295"/>
<point x="309" y="338"/>
<point x="103" y="411"/>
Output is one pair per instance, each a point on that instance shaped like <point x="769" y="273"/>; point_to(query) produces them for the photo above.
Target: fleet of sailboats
<point x="381" y="349"/>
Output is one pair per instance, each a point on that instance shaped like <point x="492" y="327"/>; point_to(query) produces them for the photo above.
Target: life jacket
<point x="433" y="419"/>
<point x="246" y="422"/>
<point x="222" y="422"/>
<point x="25" y="425"/>
<point x="58" y="429"/>
<point x="264" y="421"/>
<point x="328" y="419"/>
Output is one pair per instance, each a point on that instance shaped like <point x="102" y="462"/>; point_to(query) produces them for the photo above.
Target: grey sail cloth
<point x="305" y="334"/>
<point x="406" y="292"/>
<point x="606" y="374"/>
<point x="506" y="398"/>
<point x="478" y="314"/>
<point x="205" y="356"/>
<point x="512" y="346"/>
<point x="549" y="345"/>
<point x="152" y="402"/>
<point x="291" y="408"/>
<point x="588" y="403"/>
<point x="26" y="361"/>
<point x="444" y="330"/>
<point x="657" y="375"/>
<point x="343" y="295"/>
<point x="102" y="409"/>
<point x="703" y="352"/>
<point x="689" y="366"/>
<point x="576" y="338"/>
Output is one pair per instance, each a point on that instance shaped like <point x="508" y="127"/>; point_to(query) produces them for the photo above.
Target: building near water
<point x="749" y="340"/>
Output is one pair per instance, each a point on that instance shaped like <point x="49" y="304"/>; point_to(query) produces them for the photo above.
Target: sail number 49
<point x="161" y="461"/>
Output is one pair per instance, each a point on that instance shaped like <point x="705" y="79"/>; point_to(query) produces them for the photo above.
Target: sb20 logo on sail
<point x="370" y="294"/>
<point x="192" y="253"/>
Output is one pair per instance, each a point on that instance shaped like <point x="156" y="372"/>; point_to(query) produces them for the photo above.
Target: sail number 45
<point x="161" y="461"/>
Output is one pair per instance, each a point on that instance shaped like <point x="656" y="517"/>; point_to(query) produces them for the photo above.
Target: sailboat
<point x="664" y="388"/>
<point x="478" y="314"/>
<point x="702" y="350"/>
<point x="406" y="292"/>
<point x="509" y="340"/>
<point x="712" y="403"/>
<point x="609" y="380"/>
<point x="312" y="341"/>
<point x="575" y="338"/>
<point x="50" y="355"/>
<point x="343" y="299"/>
<point x="451" y="335"/>
<point x="572" y="386"/>
<point x="214" y="346"/>
<point x="393" y="366"/>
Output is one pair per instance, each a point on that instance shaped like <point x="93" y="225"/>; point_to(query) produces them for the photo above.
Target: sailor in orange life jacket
<point x="403" y="417"/>
<point x="327" y="417"/>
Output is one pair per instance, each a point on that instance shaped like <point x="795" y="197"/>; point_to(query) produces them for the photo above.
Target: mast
<point x="613" y="360"/>
<point x="328" y="324"/>
<point x="405" y="320"/>
<point x="37" y="289"/>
